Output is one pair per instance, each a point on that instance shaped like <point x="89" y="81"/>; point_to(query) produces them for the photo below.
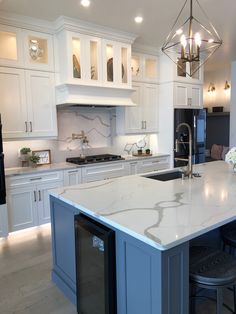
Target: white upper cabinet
<point x="26" y="49"/>
<point x="169" y="71"/>
<point x="38" y="51"/>
<point x="88" y="60"/>
<point x="27" y="103"/>
<point x="11" y="48"/>
<point x="188" y="96"/>
<point x="144" y="117"/>
<point x="144" y="68"/>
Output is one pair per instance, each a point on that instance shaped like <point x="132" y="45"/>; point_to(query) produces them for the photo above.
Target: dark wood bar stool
<point x="212" y="269"/>
<point x="228" y="234"/>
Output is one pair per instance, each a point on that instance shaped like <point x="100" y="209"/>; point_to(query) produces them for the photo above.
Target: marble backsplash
<point x="99" y="127"/>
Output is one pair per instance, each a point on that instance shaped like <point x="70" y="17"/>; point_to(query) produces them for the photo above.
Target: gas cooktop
<point x="93" y="159"/>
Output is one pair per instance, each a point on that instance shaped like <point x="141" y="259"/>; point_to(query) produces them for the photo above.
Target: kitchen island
<point x="154" y="223"/>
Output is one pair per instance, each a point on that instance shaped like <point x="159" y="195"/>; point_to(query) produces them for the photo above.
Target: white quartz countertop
<point x="67" y="165"/>
<point x="162" y="214"/>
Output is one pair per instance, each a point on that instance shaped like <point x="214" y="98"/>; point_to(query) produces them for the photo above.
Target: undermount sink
<point x="167" y="176"/>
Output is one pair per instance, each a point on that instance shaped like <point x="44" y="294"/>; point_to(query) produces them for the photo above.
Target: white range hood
<point x="71" y="94"/>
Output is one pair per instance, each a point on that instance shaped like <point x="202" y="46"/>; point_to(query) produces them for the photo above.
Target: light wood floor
<point x="25" y="277"/>
<point x="25" y="270"/>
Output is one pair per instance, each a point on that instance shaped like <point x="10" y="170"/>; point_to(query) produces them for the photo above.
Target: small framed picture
<point x="44" y="155"/>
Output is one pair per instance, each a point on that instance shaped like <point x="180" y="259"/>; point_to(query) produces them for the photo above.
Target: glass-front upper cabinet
<point x="144" y="67"/>
<point x="38" y="51"/>
<point x="10" y="46"/>
<point x="94" y="63"/>
<point x="116" y="64"/>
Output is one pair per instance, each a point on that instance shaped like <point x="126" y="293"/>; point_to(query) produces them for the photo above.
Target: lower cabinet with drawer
<point x="105" y="171"/>
<point x="72" y="177"/>
<point x="153" y="164"/>
<point x="28" y="201"/>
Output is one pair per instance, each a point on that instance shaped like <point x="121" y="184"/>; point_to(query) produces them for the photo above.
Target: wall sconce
<point x="211" y="88"/>
<point x="227" y="85"/>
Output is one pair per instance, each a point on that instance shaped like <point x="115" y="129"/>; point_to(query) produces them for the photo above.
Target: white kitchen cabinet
<point x="30" y="96"/>
<point x="72" y="177"/>
<point x="188" y="96"/>
<point x="104" y="171"/>
<point x="143" y="118"/>
<point x="153" y="164"/>
<point x="42" y="117"/>
<point x="22" y="208"/>
<point x="28" y="201"/>
<point x="169" y="72"/>
<point x="11" y="49"/>
<point x="89" y="60"/>
<point x="13" y="106"/>
<point x="144" y="68"/>
<point x="38" y="51"/>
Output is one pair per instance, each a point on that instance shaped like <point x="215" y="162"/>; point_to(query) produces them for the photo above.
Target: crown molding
<point x="76" y="25"/>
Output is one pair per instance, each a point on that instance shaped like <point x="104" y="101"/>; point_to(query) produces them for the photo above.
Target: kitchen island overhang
<point x="154" y="222"/>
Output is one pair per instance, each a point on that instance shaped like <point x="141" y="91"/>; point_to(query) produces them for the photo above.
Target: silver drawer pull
<point x="154" y="162"/>
<point x="40" y="199"/>
<point x="35" y="179"/>
<point x="31" y="128"/>
<point x="26" y="128"/>
<point x="35" y="199"/>
<point x="73" y="171"/>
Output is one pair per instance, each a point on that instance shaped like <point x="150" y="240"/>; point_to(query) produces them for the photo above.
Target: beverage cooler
<point x="95" y="267"/>
<point x="196" y="118"/>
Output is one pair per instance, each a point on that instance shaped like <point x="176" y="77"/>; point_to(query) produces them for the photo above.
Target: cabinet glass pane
<point x="38" y="50"/>
<point x="181" y="68"/>
<point x="150" y="68"/>
<point x="124" y="57"/>
<point x="94" y="60"/>
<point x="194" y="66"/>
<point x="110" y="65"/>
<point x="76" y="52"/>
<point x="135" y="66"/>
<point x="8" y="46"/>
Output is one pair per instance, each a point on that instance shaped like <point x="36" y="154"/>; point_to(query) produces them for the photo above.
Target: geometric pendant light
<point x="192" y="40"/>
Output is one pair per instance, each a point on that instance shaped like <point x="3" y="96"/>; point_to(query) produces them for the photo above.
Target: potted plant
<point x="24" y="153"/>
<point x="34" y="159"/>
<point x="140" y="151"/>
<point x="147" y="151"/>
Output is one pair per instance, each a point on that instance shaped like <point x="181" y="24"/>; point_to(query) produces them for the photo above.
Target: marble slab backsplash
<point x="99" y="127"/>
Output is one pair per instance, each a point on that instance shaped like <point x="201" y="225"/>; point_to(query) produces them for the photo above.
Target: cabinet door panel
<point x="72" y="177"/>
<point x="22" y="206"/>
<point x="150" y="107"/>
<point x="13" y="103"/>
<point x="133" y="119"/>
<point x="43" y="201"/>
<point x="196" y="96"/>
<point x="181" y="95"/>
<point x="41" y="103"/>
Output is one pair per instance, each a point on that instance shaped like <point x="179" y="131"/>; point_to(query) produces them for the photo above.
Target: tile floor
<point x="25" y="283"/>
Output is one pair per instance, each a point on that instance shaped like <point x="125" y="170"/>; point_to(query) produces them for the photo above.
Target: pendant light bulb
<point x="183" y="41"/>
<point x="197" y="39"/>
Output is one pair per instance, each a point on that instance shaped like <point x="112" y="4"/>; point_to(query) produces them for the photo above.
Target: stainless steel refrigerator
<point x="3" y="206"/>
<point x="196" y="118"/>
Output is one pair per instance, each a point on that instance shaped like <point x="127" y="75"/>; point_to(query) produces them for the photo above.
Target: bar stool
<point x="228" y="234"/>
<point x="212" y="269"/>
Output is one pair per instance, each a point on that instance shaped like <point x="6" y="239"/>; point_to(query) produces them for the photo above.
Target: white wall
<point x="220" y="97"/>
<point x="233" y="106"/>
<point x="99" y="127"/>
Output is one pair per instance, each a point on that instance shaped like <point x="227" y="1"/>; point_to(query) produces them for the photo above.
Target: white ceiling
<point x="158" y="15"/>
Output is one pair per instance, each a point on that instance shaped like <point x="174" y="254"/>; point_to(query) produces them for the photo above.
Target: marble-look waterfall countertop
<point x="162" y="214"/>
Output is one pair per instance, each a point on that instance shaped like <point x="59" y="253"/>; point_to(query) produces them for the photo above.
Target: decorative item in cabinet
<point x="76" y="68"/>
<point x="76" y="56"/>
<point x="144" y="67"/>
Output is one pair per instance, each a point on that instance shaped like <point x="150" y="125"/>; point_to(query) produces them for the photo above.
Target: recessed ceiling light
<point x="85" y="3"/>
<point x="138" y="19"/>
